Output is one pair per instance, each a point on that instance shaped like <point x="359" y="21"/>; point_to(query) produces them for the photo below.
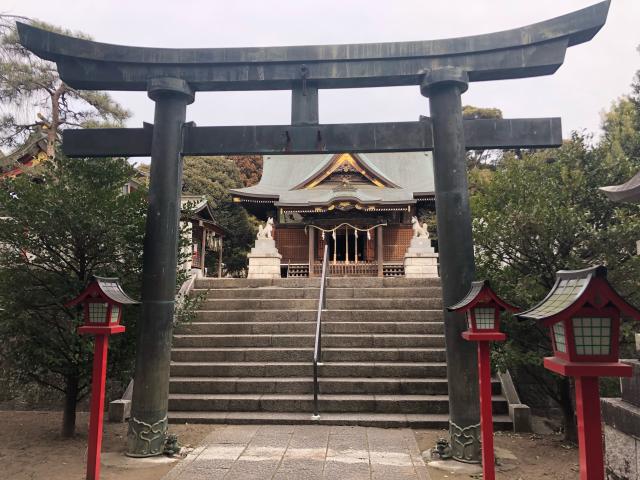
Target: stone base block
<point x="421" y="272"/>
<point x="621" y="438"/>
<point x="422" y="243"/>
<point x="119" y="411"/>
<point x="264" y="267"/>
<point x="264" y="261"/>
<point x="423" y="265"/>
<point x="420" y="261"/>
<point x="521" y="417"/>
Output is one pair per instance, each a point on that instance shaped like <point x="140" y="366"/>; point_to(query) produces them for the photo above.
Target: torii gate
<point x="442" y="69"/>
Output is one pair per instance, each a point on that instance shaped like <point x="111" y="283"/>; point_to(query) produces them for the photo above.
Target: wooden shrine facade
<point x="202" y="235"/>
<point x="359" y="205"/>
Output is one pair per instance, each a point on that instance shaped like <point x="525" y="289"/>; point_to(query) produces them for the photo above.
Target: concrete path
<point x="307" y="452"/>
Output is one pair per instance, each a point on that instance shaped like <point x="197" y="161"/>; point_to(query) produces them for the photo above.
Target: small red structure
<point x="102" y="300"/>
<point x="483" y="307"/>
<point x="582" y="312"/>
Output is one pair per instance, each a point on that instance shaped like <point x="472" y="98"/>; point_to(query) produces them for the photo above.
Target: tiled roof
<point x="626" y="192"/>
<point x="411" y="172"/>
<point x="569" y="286"/>
<point x="473" y="293"/>
<point x="112" y="289"/>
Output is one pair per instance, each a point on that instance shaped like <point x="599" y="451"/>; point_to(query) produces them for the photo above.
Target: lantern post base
<point x="486" y="412"/>
<point x="97" y="406"/>
<point x="589" y="428"/>
<point x="588" y="407"/>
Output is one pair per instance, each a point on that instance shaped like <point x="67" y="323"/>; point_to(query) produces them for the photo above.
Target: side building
<point x="360" y="205"/>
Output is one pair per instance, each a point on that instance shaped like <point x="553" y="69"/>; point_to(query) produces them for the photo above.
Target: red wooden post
<point x="486" y="413"/>
<point x="97" y="406"/>
<point x="589" y="428"/>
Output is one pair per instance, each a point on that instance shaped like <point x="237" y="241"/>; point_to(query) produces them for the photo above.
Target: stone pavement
<point x="283" y="452"/>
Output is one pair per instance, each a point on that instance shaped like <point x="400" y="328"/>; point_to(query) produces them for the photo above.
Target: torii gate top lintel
<point x="536" y="49"/>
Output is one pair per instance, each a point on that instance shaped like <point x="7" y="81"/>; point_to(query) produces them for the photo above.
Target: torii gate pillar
<point x="444" y="88"/>
<point x="148" y="422"/>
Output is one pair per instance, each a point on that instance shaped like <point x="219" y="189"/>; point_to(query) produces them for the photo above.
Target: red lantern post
<point x="482" y="308"/>
<point x="582" y="312"/>
<point x="102" y="301"/>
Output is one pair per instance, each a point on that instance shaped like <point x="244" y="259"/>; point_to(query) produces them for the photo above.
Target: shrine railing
<point x="351" y="269"/>
<point x="317" y="351"/>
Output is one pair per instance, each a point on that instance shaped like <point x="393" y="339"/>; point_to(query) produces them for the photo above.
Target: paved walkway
<point x="282" y="452"/>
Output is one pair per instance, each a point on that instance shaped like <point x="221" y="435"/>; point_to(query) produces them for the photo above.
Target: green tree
<point x="60" y="228"/>
<point x="542" y="213"/>
<point x="213" y="177"/>
<point x="34" y="96"/>
<point x="482" y="158"/>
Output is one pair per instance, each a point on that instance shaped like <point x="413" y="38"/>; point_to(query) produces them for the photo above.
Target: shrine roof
<point x="197" y="208"/>
<point x="287" y="180"/>
<point x="625" y="192"/>
<point x="25" y="155"/>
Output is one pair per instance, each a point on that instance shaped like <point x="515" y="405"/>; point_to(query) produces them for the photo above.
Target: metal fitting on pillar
<point x="444" y="76"/>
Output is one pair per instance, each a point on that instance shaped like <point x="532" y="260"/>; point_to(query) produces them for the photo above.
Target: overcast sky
<point x="594" y="74"/>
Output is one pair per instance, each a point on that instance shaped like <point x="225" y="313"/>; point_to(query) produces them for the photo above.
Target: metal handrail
<point x="317" y="351"/>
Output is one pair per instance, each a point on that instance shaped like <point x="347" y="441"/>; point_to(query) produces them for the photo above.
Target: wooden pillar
<point x="379" y="241"/>
<point x="203" y="246"/>
<point x="346" y="245"/>
<point x="312" y="251"/>
<point x="220" y="260"/>
<point x="355" y="243"/>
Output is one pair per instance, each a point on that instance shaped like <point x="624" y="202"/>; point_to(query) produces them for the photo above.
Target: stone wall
<point x="621" y="417"/>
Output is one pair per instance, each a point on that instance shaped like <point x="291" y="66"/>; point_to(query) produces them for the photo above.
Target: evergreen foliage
<point x="541" y="211"/>
<point x="64" y="225"/>
<point x="34" y="96"/>
<point x="213" y="177"/>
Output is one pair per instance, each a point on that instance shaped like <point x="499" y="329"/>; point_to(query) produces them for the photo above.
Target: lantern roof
<point x="107" y="287"/>
<point x="625" y="192"/>
<point x="480" y="292"/>
<point x="575" y="289"/>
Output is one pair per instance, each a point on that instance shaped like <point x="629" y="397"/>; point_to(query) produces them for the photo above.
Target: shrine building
<point x="360" y="205"/>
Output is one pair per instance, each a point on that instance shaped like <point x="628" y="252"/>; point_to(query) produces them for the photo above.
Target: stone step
<point x="310" y="327"/>
<point x="379" y="420"/>
<point x="305" y="369"/>
<point x="304" y="385"/>
<point x="305" y="340"/>
<point x="267" y="354"/>
<point x="327" y="315"/>
<point x="331" y="304"/>
<point x="273" y="402"/>
<point x="340" y="282"/>
<point x="314" y="292"/>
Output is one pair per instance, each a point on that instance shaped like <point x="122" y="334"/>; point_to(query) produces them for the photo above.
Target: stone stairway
<point x="247" y="358"/>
